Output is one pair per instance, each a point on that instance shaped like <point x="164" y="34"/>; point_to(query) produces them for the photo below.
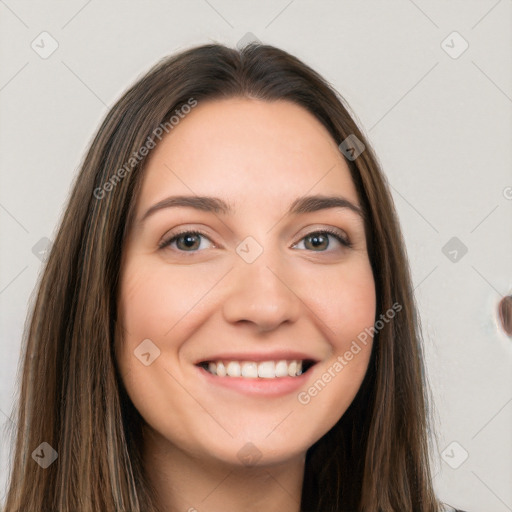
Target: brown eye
<point x="186" y="241"/>
<point x="318" y="241"/>
<point x="190" y="241"/>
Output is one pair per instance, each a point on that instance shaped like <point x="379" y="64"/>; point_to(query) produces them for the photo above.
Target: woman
<point x="226" y="320"/>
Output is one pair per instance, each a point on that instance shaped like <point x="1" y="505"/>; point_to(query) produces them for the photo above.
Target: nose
<point x="260" y="295"/>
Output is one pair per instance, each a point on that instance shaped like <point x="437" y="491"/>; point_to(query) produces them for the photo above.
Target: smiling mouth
<point x="258" y="370"/>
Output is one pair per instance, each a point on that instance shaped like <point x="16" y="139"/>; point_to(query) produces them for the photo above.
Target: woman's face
<point x="262" y="283"/>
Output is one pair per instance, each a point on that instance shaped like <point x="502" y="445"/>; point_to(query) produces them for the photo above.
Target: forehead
<point x="245" y="149"/>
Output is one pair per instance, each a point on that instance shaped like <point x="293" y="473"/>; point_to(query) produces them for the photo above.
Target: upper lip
<point x="279" y="355"/>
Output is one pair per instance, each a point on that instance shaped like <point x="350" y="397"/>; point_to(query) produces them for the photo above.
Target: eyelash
<point x="344" y="242"/>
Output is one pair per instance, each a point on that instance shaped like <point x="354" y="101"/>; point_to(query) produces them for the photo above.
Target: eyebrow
<point x="305" y="204"/>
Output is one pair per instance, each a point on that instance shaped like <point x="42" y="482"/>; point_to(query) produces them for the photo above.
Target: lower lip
<point x="280" y="386"/>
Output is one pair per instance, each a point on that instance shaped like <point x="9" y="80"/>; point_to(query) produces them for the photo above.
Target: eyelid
<point x="318" y="228"/>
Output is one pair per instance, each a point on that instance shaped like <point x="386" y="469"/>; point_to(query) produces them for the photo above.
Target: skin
<point x="259" y="157"/>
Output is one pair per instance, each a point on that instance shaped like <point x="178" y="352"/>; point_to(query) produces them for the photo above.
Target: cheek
<point x="345" y="303"/>
<point x="159" y="304"/>
<point x="147" y="308"/>
<point x="153" y="298"/>
<point x="152" y="305"/>
<point x="345" y="300"/>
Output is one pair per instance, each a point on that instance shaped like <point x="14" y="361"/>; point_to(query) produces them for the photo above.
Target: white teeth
<point x="233" y="369"/>
<point x="267" y="370"/>
<point x="253" y="370"/>
<point x="281" y="369"/>
<point x="250" y="370"/>
<point x="221" y="369"/>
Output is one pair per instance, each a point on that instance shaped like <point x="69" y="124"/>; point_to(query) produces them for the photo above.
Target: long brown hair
<point x="72" y="397"/>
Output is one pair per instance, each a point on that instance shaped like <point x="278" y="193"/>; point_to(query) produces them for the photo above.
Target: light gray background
<point x="441" y="127"/>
